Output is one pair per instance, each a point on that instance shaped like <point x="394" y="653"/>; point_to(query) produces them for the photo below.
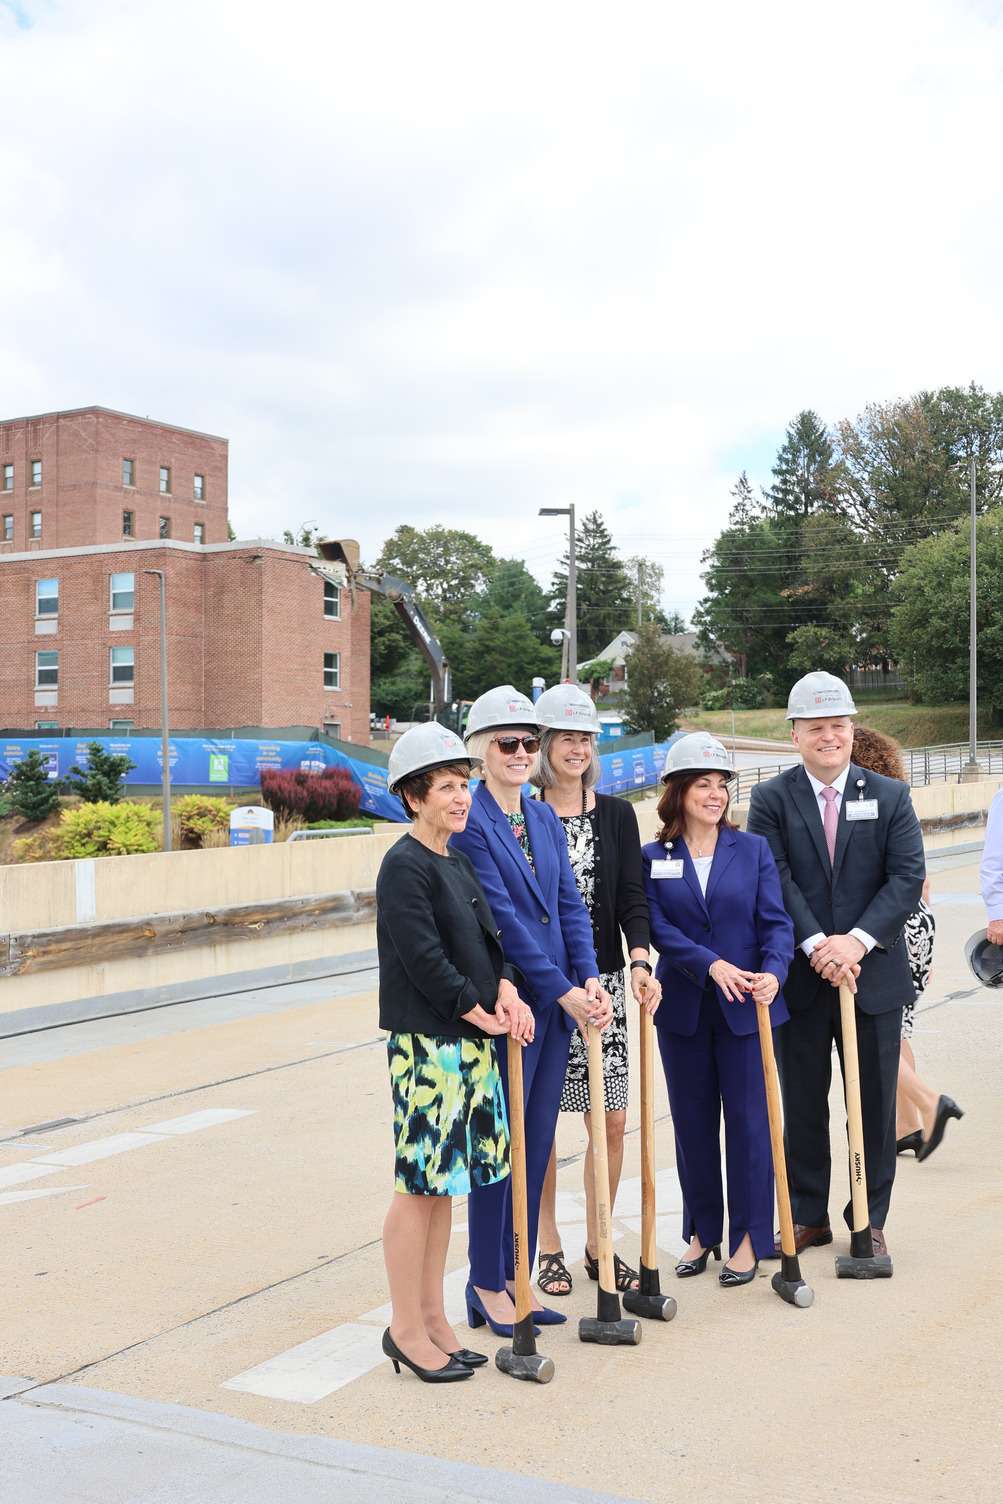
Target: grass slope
<point x="911" y="725"/>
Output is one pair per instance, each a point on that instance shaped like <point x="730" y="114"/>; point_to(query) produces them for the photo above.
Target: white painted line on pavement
<point x="18" y="1174"/>
<point x="118" y="1143"/>
<point x="194" y="1122"/>
<point x="98" y="1148"/>
<point x="8" y="1198"/>
<point x="315" y="1369"/>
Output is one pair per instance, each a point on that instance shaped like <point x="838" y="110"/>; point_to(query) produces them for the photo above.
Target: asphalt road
<point x="195" y="1291"/>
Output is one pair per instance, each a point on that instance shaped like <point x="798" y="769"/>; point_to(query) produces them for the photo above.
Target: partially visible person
<point x="921" y="1114"/>
<point x="518" y="850"/>
<point x="604" y="845"/>
<point x="991" y="871"/>
<point x="725" y="943"/>
<point x="446" y="993"/>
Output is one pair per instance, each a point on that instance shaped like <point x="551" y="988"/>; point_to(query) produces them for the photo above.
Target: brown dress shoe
<point x="878" y="1242"/>
<point x="805" y="1237"/>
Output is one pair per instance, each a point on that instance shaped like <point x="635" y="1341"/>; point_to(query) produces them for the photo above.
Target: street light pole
<point x="972" y="771"/>
<point x="165" y="735"/>
<point x="571" y="600"/>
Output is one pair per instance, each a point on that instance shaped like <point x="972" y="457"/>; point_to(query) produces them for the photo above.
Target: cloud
<point x="451" y="263"/>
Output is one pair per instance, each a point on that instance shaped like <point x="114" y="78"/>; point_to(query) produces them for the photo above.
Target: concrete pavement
<point x="195" y="1288"/>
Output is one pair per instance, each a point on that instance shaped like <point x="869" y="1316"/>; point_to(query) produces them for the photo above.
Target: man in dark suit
<point x="850" y="854"/>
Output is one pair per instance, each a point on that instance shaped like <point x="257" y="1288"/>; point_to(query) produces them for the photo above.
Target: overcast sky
<point x="450" y="262"/>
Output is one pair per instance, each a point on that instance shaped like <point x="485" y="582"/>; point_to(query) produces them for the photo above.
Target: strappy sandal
<point x="553" y="1272"/>
<point x="626" y="1277"/>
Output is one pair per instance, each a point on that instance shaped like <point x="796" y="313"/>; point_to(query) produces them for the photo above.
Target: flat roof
<point x="113" y="412"/>
<point x="137" y="544"/>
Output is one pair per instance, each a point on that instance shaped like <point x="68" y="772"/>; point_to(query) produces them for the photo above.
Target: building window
<point x="128" y="524"/>
<point x="123" y="666"/>
<point x="128" y="472"/>
<point x="8" y="527"/>
<point x="332" y="599"/>
<point x="46" y="725"/>
<point x="123" y="592"/>
<point x="200" y="532"/>
<point x="46" y="597"/>
<point x="36" y="524"/>
<point x="120" y="725"/>
<point x="164" y="527"/>
<point x="36" y="473"/>
<point x="165" y="480"/>
<point x="200" y="488"/>
<point x="8" y="477"/>
<point x="332" y="670"/>
<point x="46" y="670"/>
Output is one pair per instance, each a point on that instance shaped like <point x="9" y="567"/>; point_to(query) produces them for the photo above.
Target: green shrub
<point x="101" y="779"/>
<point x="94" y="830"/>
<point x="738" y="694"/>
<point x="197" y="816"/>
<point x="32" y="793"/>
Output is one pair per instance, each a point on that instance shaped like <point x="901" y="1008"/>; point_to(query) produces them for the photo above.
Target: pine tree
<point x="100" y="782"/>
<point x="605" y="594"/>
<point x="806" y="477"/>
<point x="31" y="791"/>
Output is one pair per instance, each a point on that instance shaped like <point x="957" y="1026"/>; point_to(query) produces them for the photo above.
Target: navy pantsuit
<point x="546" y="933"/>
<point x="709" y="1045"/>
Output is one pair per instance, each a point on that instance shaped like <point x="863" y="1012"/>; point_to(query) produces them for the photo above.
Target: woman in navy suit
<point x="518" y="850"/>
<point x="725" y="942"/>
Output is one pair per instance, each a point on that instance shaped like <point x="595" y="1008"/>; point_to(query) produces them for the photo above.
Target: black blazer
<point x="621" y="902"/>
<point x="439" y="949"/>
<point x="874" y="884"/>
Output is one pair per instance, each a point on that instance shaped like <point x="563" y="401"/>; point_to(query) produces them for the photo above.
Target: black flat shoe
<point x="913" y="1141"/>
<point x="447" y="1375"/>
<point x="947" y="1108"/>
<point x="729" y="1277"/>
<point x="686" y="1267"/>
<point x="470" y="1359"/>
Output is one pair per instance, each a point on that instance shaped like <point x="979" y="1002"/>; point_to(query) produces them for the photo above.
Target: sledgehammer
<point x="521" y="1360"/>
<point x="606" y="1327"/>
<point x="648" y="1299"/>
<point x="788" y="1282"/>
<point x="862" y="1262"/>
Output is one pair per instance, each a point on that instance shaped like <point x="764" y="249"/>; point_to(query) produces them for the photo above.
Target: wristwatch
<point x="645" y="964"/>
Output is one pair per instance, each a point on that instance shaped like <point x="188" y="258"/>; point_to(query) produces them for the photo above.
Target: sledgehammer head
<point x="531" y="1366"/>
<point x="862" y="1262"/>
<point x="607" y="1327"/>
<point x="648" y="1301"/>
<point x="789" y="1285"/>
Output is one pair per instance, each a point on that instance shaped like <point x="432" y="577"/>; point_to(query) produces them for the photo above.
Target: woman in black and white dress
<point x="605" y="850"/>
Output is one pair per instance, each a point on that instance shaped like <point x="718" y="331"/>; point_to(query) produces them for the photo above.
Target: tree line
<point x="855" y="555"/>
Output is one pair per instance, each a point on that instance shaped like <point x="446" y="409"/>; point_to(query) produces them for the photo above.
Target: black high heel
<point x="947" y="1108"/>
<point x="728" y="1278"/>
<point x="469" y="1359"/>
<point x="448" y="1375"/>
<point x="686" y="1267"/>
<point x="913" y="1141"/>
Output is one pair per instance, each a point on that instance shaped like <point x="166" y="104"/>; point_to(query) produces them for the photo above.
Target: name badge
<point x="861" y="809"/>
<point x="667" y="868"/>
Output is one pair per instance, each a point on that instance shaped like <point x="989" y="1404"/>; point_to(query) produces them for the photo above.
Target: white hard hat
<point x="697" y="753"/>
<point x="504" y="706"/>
<point x="422" y="748"/>
<point x="818" y="695"/>
<point x="565" y="707"/>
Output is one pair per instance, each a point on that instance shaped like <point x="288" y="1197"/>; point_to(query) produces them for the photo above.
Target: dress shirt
<point x="839" y="784"/>
<point x="991" y="870"/>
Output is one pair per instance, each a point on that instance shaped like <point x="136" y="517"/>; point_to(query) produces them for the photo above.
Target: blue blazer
<point x="545" y="927"/>
<point x="742" y="920"/>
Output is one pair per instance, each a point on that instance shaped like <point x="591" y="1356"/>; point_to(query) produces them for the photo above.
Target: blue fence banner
<point x="198" y="762"/>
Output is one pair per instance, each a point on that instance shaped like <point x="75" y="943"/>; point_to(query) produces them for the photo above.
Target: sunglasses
<point x="510" y="744"/>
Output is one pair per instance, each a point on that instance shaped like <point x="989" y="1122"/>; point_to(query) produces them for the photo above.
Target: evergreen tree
<point x="604" y="591"/>
<point x="806" y="476"/>
<point x="32" y="793"/>
<point x="101" y="781"/>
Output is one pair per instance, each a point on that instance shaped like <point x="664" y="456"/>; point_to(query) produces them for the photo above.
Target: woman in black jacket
<point x="445" y="991"/>
<point x="605" y="850"/>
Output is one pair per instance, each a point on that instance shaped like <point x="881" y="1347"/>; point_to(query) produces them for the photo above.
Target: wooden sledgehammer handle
<point x="649" y="1249"/>
<point x="854" y="1115"/>
<point x="776" y="1130"/>
<point x="520" y="1209"/>
<point x="600" y="1161"/>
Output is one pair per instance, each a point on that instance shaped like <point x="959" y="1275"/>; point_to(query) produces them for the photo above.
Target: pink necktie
<point x="830" y="819"/>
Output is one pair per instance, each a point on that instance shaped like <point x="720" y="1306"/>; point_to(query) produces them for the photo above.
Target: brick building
<point x="254" y="637"/>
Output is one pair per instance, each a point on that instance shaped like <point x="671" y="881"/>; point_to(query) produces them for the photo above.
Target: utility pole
<point x="165" y="735"/>
<point x="640" y="612"/>
<point x="971" y="771"/>
<point x="570" y="670"/>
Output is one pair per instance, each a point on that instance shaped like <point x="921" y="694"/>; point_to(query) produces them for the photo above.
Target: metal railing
<point x="319" y="835"/>
<point x="936" y="764"/>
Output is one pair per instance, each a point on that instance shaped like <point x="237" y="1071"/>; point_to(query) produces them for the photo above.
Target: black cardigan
<point x="439" y="947"/>
<point x="621" y="904"/>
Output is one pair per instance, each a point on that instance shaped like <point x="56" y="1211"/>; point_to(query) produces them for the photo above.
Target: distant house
<point x="619" y="650"/>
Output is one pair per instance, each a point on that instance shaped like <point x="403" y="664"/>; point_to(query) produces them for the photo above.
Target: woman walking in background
<point x="921" y="1114"/>
<point x="605" y="850"/>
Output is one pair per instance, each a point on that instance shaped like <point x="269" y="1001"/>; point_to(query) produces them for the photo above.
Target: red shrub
<point x="330" y="795"/>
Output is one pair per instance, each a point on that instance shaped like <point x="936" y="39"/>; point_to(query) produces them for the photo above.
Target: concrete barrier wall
<point x="53" y="895"/>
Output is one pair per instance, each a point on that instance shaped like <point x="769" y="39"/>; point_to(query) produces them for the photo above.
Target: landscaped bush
<point x="737" y="694"/>
<point x="331" y="794"/>
<point x="198" y="816"/>
<point x="94" y="830"/>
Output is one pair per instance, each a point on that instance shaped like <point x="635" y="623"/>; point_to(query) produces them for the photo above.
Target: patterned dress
<point x="583" y="849"/>
<point x="920" y="929"/>
<point x="450" y="1122"/>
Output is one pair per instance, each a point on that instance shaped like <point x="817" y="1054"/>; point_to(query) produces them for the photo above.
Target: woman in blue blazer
<point x="519" y="852"/>
<point x="725" y="942"/>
